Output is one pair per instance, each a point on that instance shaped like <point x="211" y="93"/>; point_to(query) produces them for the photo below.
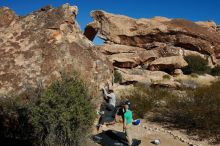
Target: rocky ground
<point x="143" y="135"/>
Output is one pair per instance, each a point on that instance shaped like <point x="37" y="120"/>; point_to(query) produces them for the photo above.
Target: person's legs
<point x="101" y="120"/>
<point x="105" y="118"/>
<point x="128" y="135"/>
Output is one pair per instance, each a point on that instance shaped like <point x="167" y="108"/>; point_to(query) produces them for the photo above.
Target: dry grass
<point x="196" y="111"/>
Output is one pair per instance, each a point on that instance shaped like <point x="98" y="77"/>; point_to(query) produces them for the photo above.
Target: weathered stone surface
<point x="209" y="24"/>
<point x="36" y="48"/>
<point x="121" y="55"/>
<point x="141" y="32"/>
<point x="178" y="72"/>
<point x="110" y="49"/>
<point x="193" y="53"/>
<point x="168" y="64"/>
<point x="157" y="44"/>
<point x="130" y="76"/>
<point x="125" y="60"/>
<point x="6" y="16"/>
<point x="129" y="57"/>
<point x="218" y="29"/>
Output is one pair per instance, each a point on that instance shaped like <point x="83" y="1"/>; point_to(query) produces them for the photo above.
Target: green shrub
<point x="60" y="115"/>
<point x="64" y="114"/>
<point x="215" y="71"/>
<point x="166" y="77"/>
<point x="196" y="64"/>
<point x="117" y="77"/>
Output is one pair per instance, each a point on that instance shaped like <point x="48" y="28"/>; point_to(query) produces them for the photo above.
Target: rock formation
<point x="142" y="32"/>
<point x="37" y="48"/>
<point x="157" y="44"/>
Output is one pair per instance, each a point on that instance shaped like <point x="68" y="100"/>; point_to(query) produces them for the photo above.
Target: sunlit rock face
<point x="119" y="29"/>
<point x="157" y="44"/>
<point x="37" y="48"/>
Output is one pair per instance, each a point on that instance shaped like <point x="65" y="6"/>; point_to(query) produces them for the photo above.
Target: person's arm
<point x="106" y="95"/>
<point x="124" y="123"/>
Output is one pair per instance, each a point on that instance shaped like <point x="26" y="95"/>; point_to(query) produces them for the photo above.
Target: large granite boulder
<point x="124" y="56"/>
<point x="35" y="49"/>
<point x="188" y="35"/>
<point x="156" y="44"/>
<point x="168" y="64"/>
<point x="130" y="76"/>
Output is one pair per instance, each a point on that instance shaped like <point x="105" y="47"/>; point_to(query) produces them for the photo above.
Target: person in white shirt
<point x="107" y="108"/>
<point x="110" y="99"/>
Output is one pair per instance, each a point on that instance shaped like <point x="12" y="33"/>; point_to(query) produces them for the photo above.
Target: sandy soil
<point x="143" y="135"/>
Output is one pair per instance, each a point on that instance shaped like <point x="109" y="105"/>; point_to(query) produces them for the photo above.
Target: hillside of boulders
<point x="148" y="50"/>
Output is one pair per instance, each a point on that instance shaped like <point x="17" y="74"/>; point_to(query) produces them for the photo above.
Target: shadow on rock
<point x="113" y="138"/>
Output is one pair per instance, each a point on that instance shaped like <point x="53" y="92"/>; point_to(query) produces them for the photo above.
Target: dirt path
<point x="143" y="135"/>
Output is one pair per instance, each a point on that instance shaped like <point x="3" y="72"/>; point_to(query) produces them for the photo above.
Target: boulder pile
<point x="152" y="45"/>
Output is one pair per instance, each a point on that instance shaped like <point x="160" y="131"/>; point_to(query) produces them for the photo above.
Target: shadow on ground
<point x="14" y="142"/>
<point x="113" y="138"/>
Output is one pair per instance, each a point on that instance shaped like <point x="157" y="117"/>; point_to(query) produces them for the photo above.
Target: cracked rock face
<point x="157" y="44"/>
<point x="36" y="48"/>
<point x="118" y="29"/>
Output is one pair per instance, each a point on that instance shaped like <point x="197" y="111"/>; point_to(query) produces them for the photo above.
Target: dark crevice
<point x="129" y="83"/>
<point x="187" y="46"/>
<point x="128" y="65"/>
<point x="90" y="32"/>
<point x="191" y="47"/>
<point x="112" y="53"/>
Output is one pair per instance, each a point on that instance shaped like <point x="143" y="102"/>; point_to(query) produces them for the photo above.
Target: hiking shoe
<point x="98" y="126"/>
<point x="100" y="113"/>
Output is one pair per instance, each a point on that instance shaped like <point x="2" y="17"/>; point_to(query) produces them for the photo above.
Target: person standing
<point x="127" y="124"/>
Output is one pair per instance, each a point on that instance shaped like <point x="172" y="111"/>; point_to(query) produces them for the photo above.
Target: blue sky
<point x="194" y="10"/>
